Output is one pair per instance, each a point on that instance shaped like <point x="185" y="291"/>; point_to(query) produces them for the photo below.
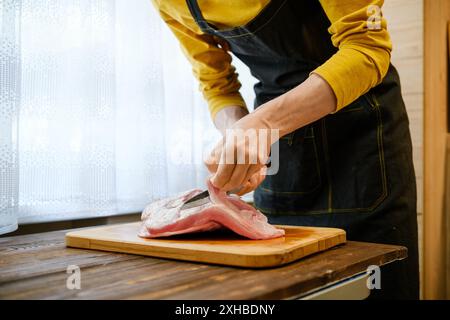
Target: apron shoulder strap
<point x="198" y="16"/>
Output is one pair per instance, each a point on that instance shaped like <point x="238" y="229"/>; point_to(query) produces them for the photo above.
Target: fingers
<point x="213" y="159"/>
<point x="253" y="171"/>
<point x="258" y="178"/>
<point x="229" y="175"/>
<point x="238" y="163"/>
<point x="253" y="182"/>
<point x="224" y="171"/>
<point x="211" y="164"/>
<point x="238" y="177"/>
<point x="246" y="188"/>
<point x="242" y="173"/>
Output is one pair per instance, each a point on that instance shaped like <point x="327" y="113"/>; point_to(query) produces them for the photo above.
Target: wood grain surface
<point x="436" y="116"/>
<point x="35" y="267"/>
<point x="225" y="248"/>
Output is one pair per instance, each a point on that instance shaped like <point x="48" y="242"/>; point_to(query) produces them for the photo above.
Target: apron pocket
<point x="299" y="168"/>
<point x="335" y="165"/>
<point x="354" y="156"/>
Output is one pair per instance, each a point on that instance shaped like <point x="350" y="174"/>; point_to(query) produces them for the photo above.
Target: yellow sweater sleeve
<point x="363" y="58"/>
<point x="211" y="65"/>
<point x="360" y="64"/>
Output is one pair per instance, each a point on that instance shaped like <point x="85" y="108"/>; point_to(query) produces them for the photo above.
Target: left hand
<point x="308" y="102"/>
<point x="239" y="160"/>
<point x="212" y="163"/>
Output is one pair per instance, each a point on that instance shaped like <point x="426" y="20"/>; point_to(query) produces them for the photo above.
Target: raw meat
<point x="165" y="218"/>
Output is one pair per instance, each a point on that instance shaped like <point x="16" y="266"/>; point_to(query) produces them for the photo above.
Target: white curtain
<point x="9" y="104"/>
<point x="99" y="111"/>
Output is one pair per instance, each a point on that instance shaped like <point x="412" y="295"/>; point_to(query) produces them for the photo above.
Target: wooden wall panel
<point x="405" y="23"/>
<point x="447" y="229"/>
<point x="437" y="16"/>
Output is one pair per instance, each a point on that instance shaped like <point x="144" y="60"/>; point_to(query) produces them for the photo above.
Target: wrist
<point x="308" y="102"/>
<point x="227" y="117"/>
<point x="272" y="116"/>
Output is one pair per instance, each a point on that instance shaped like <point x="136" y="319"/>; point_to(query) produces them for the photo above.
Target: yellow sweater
<point x="360" y="64"/>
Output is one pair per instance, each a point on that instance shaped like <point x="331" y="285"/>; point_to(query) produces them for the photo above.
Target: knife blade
<point x="198" y="200"/>
<point x="203" y="198"/>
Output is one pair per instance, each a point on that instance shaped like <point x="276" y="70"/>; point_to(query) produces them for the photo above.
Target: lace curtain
<point x="9" y="104"/>
<point x="99" y="111"/>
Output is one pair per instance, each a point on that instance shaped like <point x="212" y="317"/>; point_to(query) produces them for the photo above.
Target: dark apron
<point x="353" y="169"/>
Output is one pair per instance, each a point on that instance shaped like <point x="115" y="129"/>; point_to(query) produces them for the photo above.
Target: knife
<point x="201" y="199"/>
<point x="198" y="200"/>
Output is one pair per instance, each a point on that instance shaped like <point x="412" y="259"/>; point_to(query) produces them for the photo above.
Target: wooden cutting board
<point x="225" y="248"/>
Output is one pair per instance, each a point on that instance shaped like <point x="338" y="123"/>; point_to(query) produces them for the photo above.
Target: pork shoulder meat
<point x="165" y="218"/>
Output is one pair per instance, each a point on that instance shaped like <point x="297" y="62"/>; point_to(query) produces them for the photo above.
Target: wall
<point x="436" y="147"/>
<point x="405" y="22"/>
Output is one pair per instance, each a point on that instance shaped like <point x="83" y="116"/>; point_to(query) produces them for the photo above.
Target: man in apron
<point x="345" y="148"/>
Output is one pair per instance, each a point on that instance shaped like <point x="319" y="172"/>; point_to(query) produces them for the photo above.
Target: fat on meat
<point x="165" y="218"/>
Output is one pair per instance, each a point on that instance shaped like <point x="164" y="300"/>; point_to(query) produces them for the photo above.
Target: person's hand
<point x="308" y="102"/>
<point x="212" y="163"/>
<point x="253" y="183"/>
<point x="239" y="161"/>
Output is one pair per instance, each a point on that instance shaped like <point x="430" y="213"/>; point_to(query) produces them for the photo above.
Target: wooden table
<point x="35" y="267"/>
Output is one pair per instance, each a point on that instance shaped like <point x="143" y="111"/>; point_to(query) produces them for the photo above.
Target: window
<point x="100" y="113"/>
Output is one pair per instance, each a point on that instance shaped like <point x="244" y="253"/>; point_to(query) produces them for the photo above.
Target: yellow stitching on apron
<point x="248" y="33"/>
<point x="381" y="148"/>
<point x="317" y="156"/>
<point x="348" y="110"/>
<point x="327" y="165"/>
<point x="310" y="133"/>
<point x="289" y="138"/>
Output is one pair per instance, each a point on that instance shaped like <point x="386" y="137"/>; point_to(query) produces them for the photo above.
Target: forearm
<point x="308" y="102"/>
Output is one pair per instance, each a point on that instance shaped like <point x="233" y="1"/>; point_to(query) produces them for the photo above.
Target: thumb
<point x="213" y="159"/>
